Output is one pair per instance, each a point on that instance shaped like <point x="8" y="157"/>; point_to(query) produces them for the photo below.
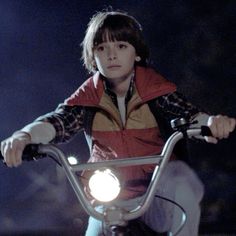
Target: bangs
<point x="115" y="30"/>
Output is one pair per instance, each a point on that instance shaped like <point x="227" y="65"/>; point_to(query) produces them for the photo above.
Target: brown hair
<point x="115" y="25"/>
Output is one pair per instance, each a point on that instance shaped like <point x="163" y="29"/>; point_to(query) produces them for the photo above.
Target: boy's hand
<point x="12" y="148"/>
<point x="220" y="126"/>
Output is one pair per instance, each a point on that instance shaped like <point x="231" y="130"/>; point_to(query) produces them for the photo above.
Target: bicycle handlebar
<point x="31" y="152"/>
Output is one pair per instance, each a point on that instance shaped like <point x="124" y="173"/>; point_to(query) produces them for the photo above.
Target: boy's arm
<point x="40" y="132"/>
<point x="175" y="105"/>
<point x="57" y="126"/>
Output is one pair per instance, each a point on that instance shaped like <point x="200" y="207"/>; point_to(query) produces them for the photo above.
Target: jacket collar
<point x="148" y="84"/>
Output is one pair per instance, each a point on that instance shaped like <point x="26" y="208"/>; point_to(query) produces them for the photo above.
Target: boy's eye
<point x="100" y="48"/>
<point x="122" y="46"/>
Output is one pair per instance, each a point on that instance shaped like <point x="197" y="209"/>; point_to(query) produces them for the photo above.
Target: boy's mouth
<point x="113" y="66"/>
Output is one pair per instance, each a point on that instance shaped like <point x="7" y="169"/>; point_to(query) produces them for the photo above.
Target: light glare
<point x="72" y="160"/>
<point x="104" y="185"/>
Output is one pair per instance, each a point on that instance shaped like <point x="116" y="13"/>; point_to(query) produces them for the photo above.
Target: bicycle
<point x="117" y="219"/>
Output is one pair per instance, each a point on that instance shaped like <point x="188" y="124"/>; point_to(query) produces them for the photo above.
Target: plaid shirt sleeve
<point x="67" y="121"/>
<point x="175" y="105"/>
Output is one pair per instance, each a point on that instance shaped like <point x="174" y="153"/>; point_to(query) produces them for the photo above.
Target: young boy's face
<point x="115" y="59"/>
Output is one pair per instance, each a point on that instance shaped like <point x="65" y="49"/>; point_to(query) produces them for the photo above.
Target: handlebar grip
<point x="30" y="152"/>
<point x="205" y="131"/>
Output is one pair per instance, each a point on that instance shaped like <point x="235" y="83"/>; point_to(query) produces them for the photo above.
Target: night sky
<point x="192" y="43"/>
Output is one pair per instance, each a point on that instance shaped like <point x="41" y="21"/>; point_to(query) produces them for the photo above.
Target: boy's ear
<point x="94" y="64"/>
<point x="137" y="58"/>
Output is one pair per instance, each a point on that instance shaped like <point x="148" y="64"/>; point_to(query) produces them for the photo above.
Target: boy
<point x="116" y="108"/>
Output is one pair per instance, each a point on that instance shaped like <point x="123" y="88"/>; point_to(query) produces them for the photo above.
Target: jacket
<point x="140" y="136"/>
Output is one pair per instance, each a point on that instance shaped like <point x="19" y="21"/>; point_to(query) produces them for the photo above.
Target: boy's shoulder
<point x="151" y="84"/>
<point x="88" y="93"/>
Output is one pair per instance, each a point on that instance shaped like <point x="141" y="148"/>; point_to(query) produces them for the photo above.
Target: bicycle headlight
<point x="104" y="185"/>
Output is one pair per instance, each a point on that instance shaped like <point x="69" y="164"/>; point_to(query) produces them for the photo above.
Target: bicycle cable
<point x="184" y="215"/>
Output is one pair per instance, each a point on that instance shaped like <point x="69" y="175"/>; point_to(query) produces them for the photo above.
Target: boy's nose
<point x="112" y="54"/>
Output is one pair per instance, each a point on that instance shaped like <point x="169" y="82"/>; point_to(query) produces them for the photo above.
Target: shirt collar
<point x="113" y="95"/>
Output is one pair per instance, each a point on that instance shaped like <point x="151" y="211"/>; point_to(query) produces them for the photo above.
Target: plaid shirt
<point x="69" y="120"/>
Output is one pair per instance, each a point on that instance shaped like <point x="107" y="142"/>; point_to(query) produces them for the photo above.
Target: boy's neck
<point x="120" y="87"/>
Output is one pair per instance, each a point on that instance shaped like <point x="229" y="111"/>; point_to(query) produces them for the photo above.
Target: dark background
<point x="192" y="43"/>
